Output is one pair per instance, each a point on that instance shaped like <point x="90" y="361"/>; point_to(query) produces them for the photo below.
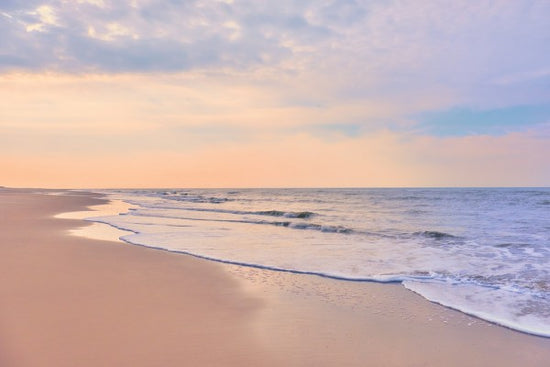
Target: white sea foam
<point x="99" y="231"/>
<point x="513" y="309"/>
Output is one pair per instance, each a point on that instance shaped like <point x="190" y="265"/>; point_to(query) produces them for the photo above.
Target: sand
<point x="70" y="301"/>
<point x="73" y="301"/>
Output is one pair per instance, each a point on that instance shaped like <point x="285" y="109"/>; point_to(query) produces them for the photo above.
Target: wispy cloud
<point x="363" y="50"/>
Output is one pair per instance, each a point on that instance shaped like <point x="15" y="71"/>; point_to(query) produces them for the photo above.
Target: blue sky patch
<point x="460" y="121"/>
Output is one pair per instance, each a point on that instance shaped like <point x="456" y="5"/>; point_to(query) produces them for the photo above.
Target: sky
<point x="256" y="93"/>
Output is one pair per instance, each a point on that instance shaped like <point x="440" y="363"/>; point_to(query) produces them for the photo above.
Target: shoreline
<point x="294" y="319"/>
<point x="100" y="229"/>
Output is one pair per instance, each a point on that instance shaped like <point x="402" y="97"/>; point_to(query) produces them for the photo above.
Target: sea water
<point x="483" y="251"/>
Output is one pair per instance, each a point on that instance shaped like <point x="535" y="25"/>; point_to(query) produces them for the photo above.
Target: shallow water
<point x="482" y="251"/>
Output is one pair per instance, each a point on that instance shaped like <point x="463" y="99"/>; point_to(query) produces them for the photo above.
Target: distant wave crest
<point x="278" y="213"/>
<point x="435" y="235"/>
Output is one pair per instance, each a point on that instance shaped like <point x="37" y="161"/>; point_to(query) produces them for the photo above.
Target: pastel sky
<point x="256" y="93"/>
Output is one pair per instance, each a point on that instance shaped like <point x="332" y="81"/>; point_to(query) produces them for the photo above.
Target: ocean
<point x="482" y="251"/>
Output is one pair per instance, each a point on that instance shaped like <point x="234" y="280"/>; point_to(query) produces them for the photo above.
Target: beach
<point x="72" y="301"/>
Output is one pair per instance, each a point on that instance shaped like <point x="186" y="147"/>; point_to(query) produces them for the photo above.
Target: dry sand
<point x="72" y="301"/>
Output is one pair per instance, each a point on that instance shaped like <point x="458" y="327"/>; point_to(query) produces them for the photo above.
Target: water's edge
<point x="407" y="282"/>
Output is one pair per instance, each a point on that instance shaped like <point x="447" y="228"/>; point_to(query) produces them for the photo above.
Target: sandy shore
<point x="72" y="301"/>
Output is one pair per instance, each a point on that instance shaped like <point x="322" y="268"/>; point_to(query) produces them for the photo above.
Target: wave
<point x="322" y="228"/>
<point x="513" y="245"/>
<point x="278" y="213"/>
<point x="289" y="224"/>
<point x="435" y="235"/>
<point x="184" y="196"/>
<point x="303" y="225"/>
<point x="271" y="213"/>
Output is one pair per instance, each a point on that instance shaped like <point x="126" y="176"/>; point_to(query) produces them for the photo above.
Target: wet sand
<point x="73" y="301"/>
